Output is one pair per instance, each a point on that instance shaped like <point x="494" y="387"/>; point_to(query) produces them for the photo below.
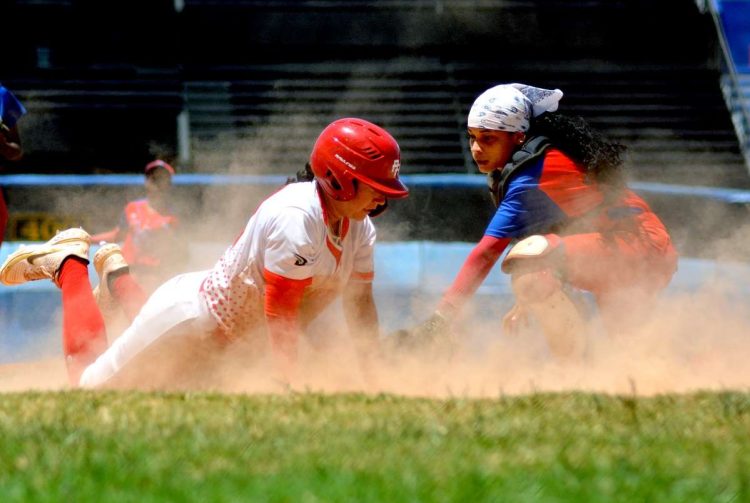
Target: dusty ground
<point x="44" y="374"/>
<point x="695" y="341"/>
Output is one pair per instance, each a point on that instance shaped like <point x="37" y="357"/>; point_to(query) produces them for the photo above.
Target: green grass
<point x="122" y="446"/>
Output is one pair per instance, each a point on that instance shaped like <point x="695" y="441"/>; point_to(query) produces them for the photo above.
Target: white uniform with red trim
<point x="288" y="235"/>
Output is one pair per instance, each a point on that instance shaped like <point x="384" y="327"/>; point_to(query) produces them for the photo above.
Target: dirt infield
<point x="694" y="342"/>
<point x="47" y="374"/>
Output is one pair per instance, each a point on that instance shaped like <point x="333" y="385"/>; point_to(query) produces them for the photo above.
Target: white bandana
<point x="510" y="107"/>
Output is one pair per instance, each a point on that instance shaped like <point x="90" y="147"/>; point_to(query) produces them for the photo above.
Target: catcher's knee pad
<point x="535" y="286"/>
<point x="533" y="252"/>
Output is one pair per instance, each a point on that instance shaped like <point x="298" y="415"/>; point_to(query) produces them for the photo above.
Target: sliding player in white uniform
<point x="306" y="244"/>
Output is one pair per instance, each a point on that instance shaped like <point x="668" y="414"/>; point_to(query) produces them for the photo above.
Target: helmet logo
<point x="348" y="164"/>
<point x="396" y="168"/>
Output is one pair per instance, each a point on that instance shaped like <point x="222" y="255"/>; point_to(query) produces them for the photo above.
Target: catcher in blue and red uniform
<point x="562" y="202"/>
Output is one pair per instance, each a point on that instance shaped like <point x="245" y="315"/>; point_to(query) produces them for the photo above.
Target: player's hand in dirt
<point x="432" y="337"/>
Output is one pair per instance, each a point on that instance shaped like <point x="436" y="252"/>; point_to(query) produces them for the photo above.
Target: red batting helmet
<point x="350" y="149"/>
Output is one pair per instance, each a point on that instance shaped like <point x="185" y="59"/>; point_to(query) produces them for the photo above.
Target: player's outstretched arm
<point x="281" y="306"/>
<point x="475" y="269"/>
<point x="362" y="320"/>
<point x="435" y="331"/>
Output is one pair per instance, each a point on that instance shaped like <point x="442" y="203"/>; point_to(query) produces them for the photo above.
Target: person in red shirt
<point x="149" y="230"/>
<point x="570" y="221"/>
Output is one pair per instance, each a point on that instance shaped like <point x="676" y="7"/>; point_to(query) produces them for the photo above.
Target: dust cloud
<point x="695" y="339"/>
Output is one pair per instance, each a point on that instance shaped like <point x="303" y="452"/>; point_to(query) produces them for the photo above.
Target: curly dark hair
<point x="600" y="156"/>
<point x="303" y="175"/>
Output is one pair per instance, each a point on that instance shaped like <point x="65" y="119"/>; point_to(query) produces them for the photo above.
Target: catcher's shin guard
<point x="538" y="288"/>
<point x="563" y="325"/>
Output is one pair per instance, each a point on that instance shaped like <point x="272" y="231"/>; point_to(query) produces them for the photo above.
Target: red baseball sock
<point x="127" y="292"/>
<point x="84" y="334"/>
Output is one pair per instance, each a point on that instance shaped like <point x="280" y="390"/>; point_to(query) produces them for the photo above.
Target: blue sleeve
<point x="10" y="108"/>
<point x="525" y="209"/>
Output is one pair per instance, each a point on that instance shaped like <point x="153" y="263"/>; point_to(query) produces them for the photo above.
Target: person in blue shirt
<point x="10" y="142"/>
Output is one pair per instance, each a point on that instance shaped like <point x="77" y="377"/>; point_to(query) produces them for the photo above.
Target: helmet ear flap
<point x="334" y="182"/>
<point x="342" y="184"/>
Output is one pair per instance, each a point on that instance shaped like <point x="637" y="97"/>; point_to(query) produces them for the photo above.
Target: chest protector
<point x="499" y="179"/>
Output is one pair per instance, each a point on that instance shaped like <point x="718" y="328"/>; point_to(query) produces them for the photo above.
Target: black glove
<point x="432" y="336"/>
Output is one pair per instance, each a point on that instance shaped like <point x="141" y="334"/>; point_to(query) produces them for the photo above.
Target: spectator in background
<point x="149" y="230"/>
<point x="573" y="224"/>
<point x="10" y="142"/>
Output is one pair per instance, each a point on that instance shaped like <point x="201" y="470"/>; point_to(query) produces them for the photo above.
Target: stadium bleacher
<point x="259" y="75"/>
<point x="673" y="118"/>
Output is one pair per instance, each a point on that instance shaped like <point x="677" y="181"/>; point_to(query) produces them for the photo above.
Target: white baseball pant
<point x="174" y="314"/>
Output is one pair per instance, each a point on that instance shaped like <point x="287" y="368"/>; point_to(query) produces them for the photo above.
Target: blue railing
<point x="732" y="21"/>
<point x="717" y="194"/>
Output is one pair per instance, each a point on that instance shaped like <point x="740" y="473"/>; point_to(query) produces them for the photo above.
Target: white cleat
<point x="43" y="261"/>
<point x="107" y="259"/>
